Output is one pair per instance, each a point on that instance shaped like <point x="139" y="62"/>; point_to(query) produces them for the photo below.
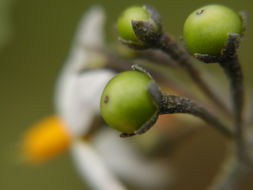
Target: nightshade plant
<point x="127" y="99"/>
<point x="211" y="34"/>
<point x="131" y="102"/>
<point x="150" y="34"/>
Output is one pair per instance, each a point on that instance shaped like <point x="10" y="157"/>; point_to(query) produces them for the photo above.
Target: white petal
<point x="91" y="28"/>
<point x="92" y="169"/>
<point x="90" y="34"/>
<point x="78" y="99"/>
<point x="124" y="160"/>
<point x="77" y="96"/>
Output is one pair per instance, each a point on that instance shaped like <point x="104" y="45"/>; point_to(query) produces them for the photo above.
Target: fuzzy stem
<point x="119" y="64"/>
<point x="170" y="46"/>
<point x="176" y="104"/>
<point x="233" y="70"/>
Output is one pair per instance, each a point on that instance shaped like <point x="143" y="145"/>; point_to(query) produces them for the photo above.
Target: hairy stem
<point x="119" y="64"/>
<point x="171" y="47"/>
<point x="176" y="104"/>
<point x="233" y="70"/>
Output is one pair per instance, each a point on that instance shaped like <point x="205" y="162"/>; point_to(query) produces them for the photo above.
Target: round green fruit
<point x="126" y="103"/>
<point x="124" y="23"/>
<point x="206" y="29"/>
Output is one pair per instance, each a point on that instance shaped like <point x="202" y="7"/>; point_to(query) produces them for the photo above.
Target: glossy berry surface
<point x="124" y="24"/>
<point x="206" y="29"/>
<point x="125" y="102"/>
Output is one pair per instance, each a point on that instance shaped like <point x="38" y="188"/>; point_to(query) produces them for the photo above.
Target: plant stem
<point x="176" y="104"/>
<point x="119" y="64"/>
<point x="170" y="47"/>
<point x="233" y="70"/>
<point x="157" y="57"/>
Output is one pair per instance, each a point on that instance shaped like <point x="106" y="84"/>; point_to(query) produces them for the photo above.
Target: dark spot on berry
<point x="106" y="99"/>
<point x="200" y="12"/>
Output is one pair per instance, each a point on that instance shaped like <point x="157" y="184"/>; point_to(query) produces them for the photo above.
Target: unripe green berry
<point x="206" y="29"/>
<point x="126" y="103"/>
<point x="124" y="24"/>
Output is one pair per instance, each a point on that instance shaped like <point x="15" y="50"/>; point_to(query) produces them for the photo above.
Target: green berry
<point x="126" y="103"/>
<point x="124" y="23"/>
<point x="206" y="29"/>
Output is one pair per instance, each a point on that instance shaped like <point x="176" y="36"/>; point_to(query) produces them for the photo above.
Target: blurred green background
<point x="35" y="38"/>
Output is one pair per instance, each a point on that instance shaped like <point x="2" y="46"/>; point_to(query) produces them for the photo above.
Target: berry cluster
<point x="132" y="101"/>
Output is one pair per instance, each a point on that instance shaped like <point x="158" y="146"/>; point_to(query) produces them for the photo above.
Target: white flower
<point x="103" y="159"/>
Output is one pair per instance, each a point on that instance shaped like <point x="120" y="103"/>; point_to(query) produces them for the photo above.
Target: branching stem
<point x="170" y="46"/>
<point x="233" y="70"/>
<point x="176" y="104"/>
